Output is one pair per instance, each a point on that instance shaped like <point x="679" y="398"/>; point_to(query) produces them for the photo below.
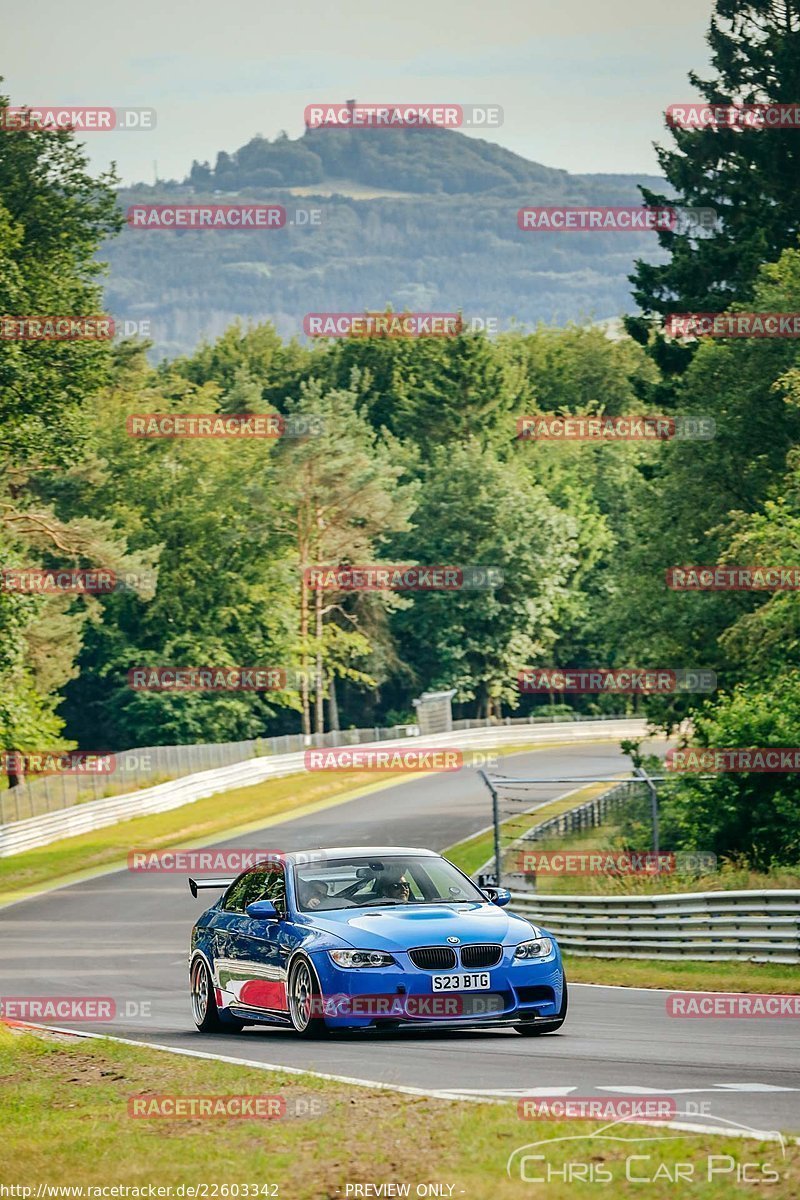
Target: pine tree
<point x="342" y="495"/>
<point x="749" y="176"/>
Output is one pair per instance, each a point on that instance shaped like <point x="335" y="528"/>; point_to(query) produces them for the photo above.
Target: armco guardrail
<point x="137" y="767"/>
<point x="758" y="926"/>
<point x="97" y="814"/>
<point x="140" y="765"/>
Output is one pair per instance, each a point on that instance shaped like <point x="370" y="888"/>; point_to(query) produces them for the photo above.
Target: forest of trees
<point x="418" y="461"/>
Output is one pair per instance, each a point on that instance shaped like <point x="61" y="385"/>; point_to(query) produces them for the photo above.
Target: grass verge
<point x="780" y="978"/>
<point x="199" y="823"/>
<point x="729" y="875"/>
<point x="65" y="1104"/>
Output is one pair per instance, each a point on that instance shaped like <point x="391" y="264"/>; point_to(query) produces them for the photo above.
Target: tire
<point x="302" y="987"/>
<point x="537" y="1028"/>
<point x="204" y="1004"/>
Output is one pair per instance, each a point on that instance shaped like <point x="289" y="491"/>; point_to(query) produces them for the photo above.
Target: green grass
<point x="64" y="1115"/>
<point x="199" y="823"/>
<point x="684" y="975"/>
<point x="729" y="876"/>
<point x="192" y="824"/>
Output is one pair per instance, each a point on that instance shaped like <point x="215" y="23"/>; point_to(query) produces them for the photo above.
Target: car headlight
<point x="539" y="948"/>
<point x="361" y="958"/>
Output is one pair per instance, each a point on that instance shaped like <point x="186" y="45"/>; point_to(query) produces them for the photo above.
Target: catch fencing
<point x="145" y="765"/>
<point x="77" y="818"/>
<point x="516" y="829"/>
<point x="156" y="764"/>
<point x="589" y="815"/>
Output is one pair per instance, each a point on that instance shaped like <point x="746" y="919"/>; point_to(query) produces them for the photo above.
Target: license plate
<point x="461" y="983"/>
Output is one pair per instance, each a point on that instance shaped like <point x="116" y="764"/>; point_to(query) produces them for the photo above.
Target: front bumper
<point x="363" y="998"/>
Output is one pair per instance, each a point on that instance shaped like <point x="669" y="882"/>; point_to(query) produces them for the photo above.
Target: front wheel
<point x="204" y="1005"/>
<point x="303" y="999"/>
<point x="537" y="1028"/>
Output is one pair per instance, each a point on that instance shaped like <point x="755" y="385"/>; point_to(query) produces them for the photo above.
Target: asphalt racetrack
<point x="126" y="936"/>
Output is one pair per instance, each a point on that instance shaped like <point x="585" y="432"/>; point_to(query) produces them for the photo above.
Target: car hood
<point x="404" y="926"/>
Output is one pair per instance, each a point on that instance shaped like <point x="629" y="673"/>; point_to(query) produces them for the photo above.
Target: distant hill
<point x="426" y="161"/>
<point x="419" y="219"/>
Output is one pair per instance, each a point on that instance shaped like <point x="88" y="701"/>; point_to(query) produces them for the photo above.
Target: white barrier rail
<point x="97" y="814"/>
<point x="143" y="766"/>
<point x="751" y="926"/>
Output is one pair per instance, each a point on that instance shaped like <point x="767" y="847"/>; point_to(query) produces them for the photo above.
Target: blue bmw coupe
<point x="369" y="938"/>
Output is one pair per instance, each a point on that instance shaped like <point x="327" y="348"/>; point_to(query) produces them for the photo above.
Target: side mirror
<point x="262" y="910"/>
<point x="498" y="895"/>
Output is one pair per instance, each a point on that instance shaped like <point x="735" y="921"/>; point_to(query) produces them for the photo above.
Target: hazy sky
<point x="583" y="84"/>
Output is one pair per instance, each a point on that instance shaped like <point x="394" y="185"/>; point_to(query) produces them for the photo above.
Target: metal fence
<point x="515" y="830"/>
<point x="589" y="815"/>
<point x="81" y="818"/>
<point x="747" y="926"/>
<point x="555" y="719"/>
<point x="144" y="766"/>
<point x="147" y="765"/>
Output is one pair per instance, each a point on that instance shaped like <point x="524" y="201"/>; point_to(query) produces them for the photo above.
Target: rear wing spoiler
<point x="217" y="884"/>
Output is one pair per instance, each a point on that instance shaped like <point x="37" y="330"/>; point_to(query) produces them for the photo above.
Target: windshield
<point x="380" y="882"/>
